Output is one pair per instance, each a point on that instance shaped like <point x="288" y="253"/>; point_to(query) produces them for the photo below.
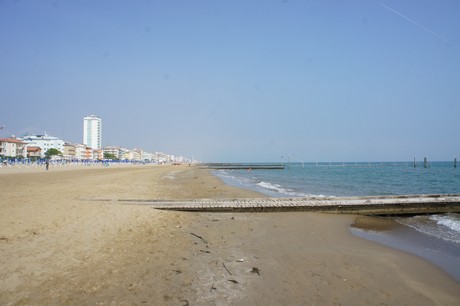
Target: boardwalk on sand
<point x="371" y="205"/>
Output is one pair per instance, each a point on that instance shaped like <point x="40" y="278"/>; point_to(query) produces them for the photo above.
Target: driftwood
<point x="226" y="268"/>
<point x="198" y="236"/>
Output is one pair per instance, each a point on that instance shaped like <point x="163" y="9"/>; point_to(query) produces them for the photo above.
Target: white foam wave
<point x="227" y="175"/>
<point x="252" y="182"/>
<point x="449" y="221"/>
<point x="446" y="227"/>
<point x="284" y="191"/>
<point x="274" y="187"/>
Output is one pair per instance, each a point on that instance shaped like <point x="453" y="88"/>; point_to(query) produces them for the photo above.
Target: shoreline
<point x="389" y="232"/>
<point x="58" y="249"/>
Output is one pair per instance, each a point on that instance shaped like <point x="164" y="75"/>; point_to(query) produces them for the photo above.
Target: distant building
<point x="34" y="152"/>
<point x="88" y="153"/>
<point x="44" y="142"/>
<point x="128" y="154"/>
<point x="161" y="158"/>
<point x="138" y="154"/>
<point x="92" y="132"/>
<point x="114" y="150"/>
<point x="125" y="154"/>
<point x="98" y="154"/>
<point x="80" y="151"/>
<point x="69" y="151"/>
<point x="146" y="156"/>
<point x="12" y="147"/>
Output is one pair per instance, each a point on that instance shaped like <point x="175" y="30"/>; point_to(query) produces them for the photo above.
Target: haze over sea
<point x="434" y="237"/>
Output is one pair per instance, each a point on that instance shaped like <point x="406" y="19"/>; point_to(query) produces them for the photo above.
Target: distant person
<point x="47" y="164"/>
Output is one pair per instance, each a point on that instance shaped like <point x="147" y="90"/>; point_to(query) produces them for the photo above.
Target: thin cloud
<point x="414" y="22"/>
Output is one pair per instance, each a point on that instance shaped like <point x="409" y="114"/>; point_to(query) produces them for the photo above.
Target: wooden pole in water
<point x="455" y="162"/>
<point x="424" y="163"/>
<point x="415" y="165"/>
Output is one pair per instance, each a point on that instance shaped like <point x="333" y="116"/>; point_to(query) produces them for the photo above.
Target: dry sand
<point x="56" y="247"/>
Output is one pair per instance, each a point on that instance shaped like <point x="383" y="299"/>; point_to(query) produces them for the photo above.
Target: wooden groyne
<point x="233" y="166"/>
<point x="376" y="205"/>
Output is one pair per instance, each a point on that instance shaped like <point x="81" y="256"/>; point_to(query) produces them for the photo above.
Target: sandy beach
<point x="60" y="245"/>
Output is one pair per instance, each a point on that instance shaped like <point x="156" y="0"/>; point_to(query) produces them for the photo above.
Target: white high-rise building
<point x="92" y="132"/>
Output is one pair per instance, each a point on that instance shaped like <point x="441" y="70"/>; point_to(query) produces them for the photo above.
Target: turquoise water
<point x="348" y="179"/>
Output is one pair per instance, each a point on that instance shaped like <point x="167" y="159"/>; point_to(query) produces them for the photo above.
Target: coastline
<point x="391" y="232"/>
<point x="58" y="249"/>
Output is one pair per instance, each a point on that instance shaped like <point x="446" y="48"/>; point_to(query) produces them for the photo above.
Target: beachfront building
<point x="179" y="160"/>
<point x="132" y="155"/>
<point x="12" y="147"/>
<point x="88" y="153"/>
<point x="69" y="151"/>
<point x="92" y="132"/>
<point x="34" y="152"/>
<point x="80" y="151"/>
<point x="98" y="154"/>
<point x="171" y="158"/>
<point x="44" y="142"/>
<point x="127" y="154"/>
<point x="147" y="157"/>
<point x="138" y="154"/>
<point x="113" y="150"/>
<point x="157" y="157"/>
<point x="162" y="158"/>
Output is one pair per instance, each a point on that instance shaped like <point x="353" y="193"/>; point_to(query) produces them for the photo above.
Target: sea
<point x="435" y="238"/>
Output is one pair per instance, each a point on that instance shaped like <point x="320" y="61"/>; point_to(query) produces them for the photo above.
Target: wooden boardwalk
<point x="372" y="205"/>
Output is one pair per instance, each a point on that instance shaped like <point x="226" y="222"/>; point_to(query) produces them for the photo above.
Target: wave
<point x="276" y="188"/>
<point x="445" y="226"/>
<point x="451" y="221"/>
<point x="245" y="180"/>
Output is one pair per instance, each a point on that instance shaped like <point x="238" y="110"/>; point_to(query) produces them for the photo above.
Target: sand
<point x="60" y="246"/>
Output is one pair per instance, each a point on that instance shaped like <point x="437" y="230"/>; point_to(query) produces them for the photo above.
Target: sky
<point x="238" y="81"/>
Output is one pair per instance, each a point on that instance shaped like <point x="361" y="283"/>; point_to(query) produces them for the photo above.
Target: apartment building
<point x="34" y="152"/>
<point x="92" y="132"/>
<point x="69" y="151"/>
<point x="12" y="147"/>
<point x="114" y="150"/>
<point x="44" y="142"/>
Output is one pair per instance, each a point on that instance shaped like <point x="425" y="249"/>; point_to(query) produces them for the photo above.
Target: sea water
<point x="348" y="179"/>
<point x="440" y="233"/>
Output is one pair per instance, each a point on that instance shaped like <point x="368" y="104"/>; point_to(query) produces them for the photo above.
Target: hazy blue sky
<point x="238" y="80"/>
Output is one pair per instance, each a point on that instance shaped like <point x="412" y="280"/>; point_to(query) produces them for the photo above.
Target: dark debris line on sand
<point x="198" y="236"/>
<point x="226" y="268"/>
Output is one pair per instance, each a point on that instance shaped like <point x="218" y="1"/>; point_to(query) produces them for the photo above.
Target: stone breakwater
<point x="371" y="205"/>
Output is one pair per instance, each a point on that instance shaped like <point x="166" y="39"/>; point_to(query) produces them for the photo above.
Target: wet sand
<point x="387" y="231"/>
<point x="57" y="247"/>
